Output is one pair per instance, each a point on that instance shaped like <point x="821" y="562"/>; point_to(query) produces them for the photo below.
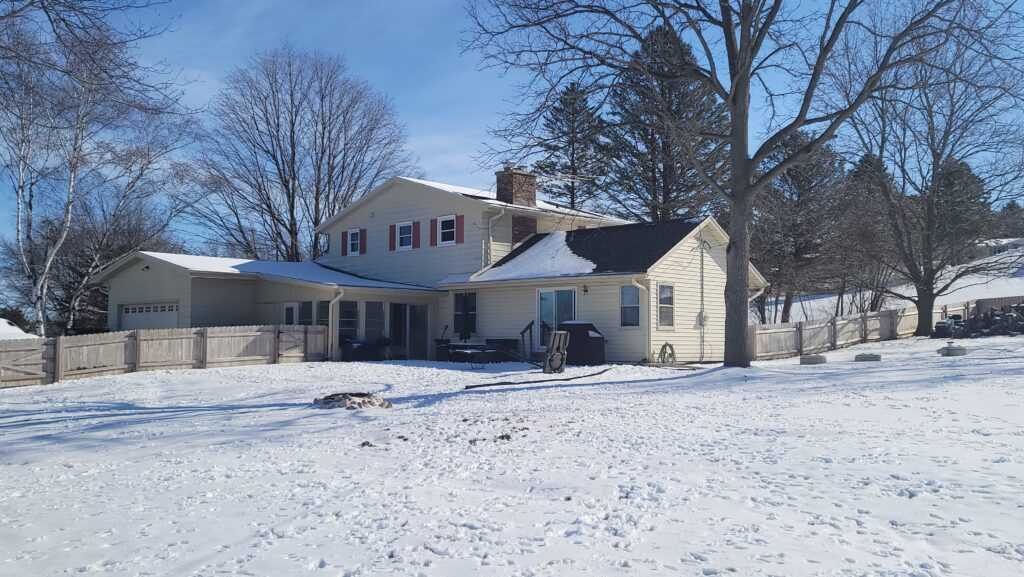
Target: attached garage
<point x="149" y="316"/>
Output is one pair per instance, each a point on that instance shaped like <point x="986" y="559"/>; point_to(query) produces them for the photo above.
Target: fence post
<point x="800" y="338"/>
<point x="138" y="350"/>
<point x="204" y="349"/>
<point x="833" y="334"/>
<point x="305" y="342"/>
<point x="894" y="324"/>
<point x="276" y="347"/>
<point x="58" y="359"/>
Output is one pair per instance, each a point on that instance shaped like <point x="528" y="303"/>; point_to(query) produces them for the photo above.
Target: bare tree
<point x="953" y="145"/>
<point x="60" y="104"/>
<point x="746" y="48"/>
<point x="295" y="139"/>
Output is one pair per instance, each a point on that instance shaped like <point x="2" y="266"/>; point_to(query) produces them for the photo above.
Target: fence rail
<point x="44" y="361"/>
<point x="805" y="337"/>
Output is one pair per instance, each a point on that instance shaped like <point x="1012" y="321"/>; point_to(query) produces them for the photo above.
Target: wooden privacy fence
<point x="800" y="338"/>
<point x="43" y="361"/>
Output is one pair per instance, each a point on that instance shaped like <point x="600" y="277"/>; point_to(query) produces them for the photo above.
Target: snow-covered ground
<point x="910" y="467"/>
<point x="969" y="288"/>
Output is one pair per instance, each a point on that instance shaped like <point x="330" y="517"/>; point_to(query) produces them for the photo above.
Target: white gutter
<point x="646" y="325"/>
<point x="490" y="237"/>
<point x="332" y="333"/>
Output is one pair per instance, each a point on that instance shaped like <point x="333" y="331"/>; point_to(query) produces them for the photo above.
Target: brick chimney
<point x="516" y="185"/>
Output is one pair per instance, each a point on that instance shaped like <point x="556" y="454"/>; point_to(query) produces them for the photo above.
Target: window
<point x="629" y="306"/>
<point x="354" y="242"/>
<point x="465" y="314"/>
<point x="323" y="313"/>
<point x="666" y="305"/>
<point x="348" y="320"/>
<point x="374" y="321"/>
<point x="446" y="230"/>
<point x="403" y="232"/>
<point x="306" y="313"/>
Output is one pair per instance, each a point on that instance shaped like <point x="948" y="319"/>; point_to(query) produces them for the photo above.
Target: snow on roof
<point x="549" y="257"/>
<point x="305" y="271"/>
<point x="10" y="331"/>
<point x="1000" y="241"/>
<point x="491" y="197"/>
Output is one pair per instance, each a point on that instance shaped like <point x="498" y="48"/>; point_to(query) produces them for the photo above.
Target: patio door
<point x="409" y="330"/>
<point x="554" y="307"/>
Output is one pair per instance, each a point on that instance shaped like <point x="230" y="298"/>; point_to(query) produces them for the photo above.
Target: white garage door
<point x="150" y="316"/>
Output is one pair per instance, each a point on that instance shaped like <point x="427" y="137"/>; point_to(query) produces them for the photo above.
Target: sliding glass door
<point x="554" y="306"/>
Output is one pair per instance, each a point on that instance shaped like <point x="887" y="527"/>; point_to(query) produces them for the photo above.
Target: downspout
<point x="647" y="325"/>
<point x="490" y="237"/>
<point x="703" y="313"/>
<point x="332" y="330"/>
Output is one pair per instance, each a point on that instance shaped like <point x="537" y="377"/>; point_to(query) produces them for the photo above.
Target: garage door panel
<point x="149" y="316"/>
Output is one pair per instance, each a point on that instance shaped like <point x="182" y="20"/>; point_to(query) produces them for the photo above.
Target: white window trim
<point x="638" y="305"/>
<point x="398" y="235"/>
<point x="657" y="301"/>
<point x="349" y="241"/>
<point x="455" y="233"/>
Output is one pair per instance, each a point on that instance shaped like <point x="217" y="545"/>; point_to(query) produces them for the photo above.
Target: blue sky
<point x="407" y="49"/>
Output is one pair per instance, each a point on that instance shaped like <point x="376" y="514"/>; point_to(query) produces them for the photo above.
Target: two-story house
<point x="416" y="261"/>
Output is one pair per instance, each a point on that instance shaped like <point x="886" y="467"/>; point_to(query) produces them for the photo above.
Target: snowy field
<point x="970" y="288"/>
<point x="911" y="467"/>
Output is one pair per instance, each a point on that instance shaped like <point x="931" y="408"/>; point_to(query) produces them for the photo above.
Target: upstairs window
<point x="666" y="305"/>
<point x="446" y="230"/>
<point x="354" y="242"/>
<point x="403" y="234"/>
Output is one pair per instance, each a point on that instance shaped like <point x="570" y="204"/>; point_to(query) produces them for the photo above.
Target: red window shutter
<point x="344" y="243"/>
<point x="391" y="237"/>
<point x="362" y="241"/>
<point x="460" y="229"/>
<point x="433" y="232"/>
<point x="416" y="234"/>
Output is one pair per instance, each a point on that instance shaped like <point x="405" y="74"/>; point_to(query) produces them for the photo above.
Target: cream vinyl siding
<point x="501" y="312"/>
<point x="427" y="265"/>
<point x="223" y="302"/>
<point x="680" y="267"/>
<point x="501" y="236"/>
<point x="159" y="283"/>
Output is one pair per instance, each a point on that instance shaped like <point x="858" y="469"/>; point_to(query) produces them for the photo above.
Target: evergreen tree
<point x="1010" y="220"/>
<point x="573" y="163"/>
<point x="795" y="222"/>
<point x="654" y="142"/>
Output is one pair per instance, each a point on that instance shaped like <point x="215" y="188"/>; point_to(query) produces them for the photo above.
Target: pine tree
<point x="1010" y="220"/>
<point x="795" y="222"/>
<point x="573" y="164"/>
<point x="653" y="140"/>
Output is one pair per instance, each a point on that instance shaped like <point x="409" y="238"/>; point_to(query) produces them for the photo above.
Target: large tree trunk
<point x="925" y="308"/>
<point x="787" y="306"/>
<point x="737" y="353"/>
